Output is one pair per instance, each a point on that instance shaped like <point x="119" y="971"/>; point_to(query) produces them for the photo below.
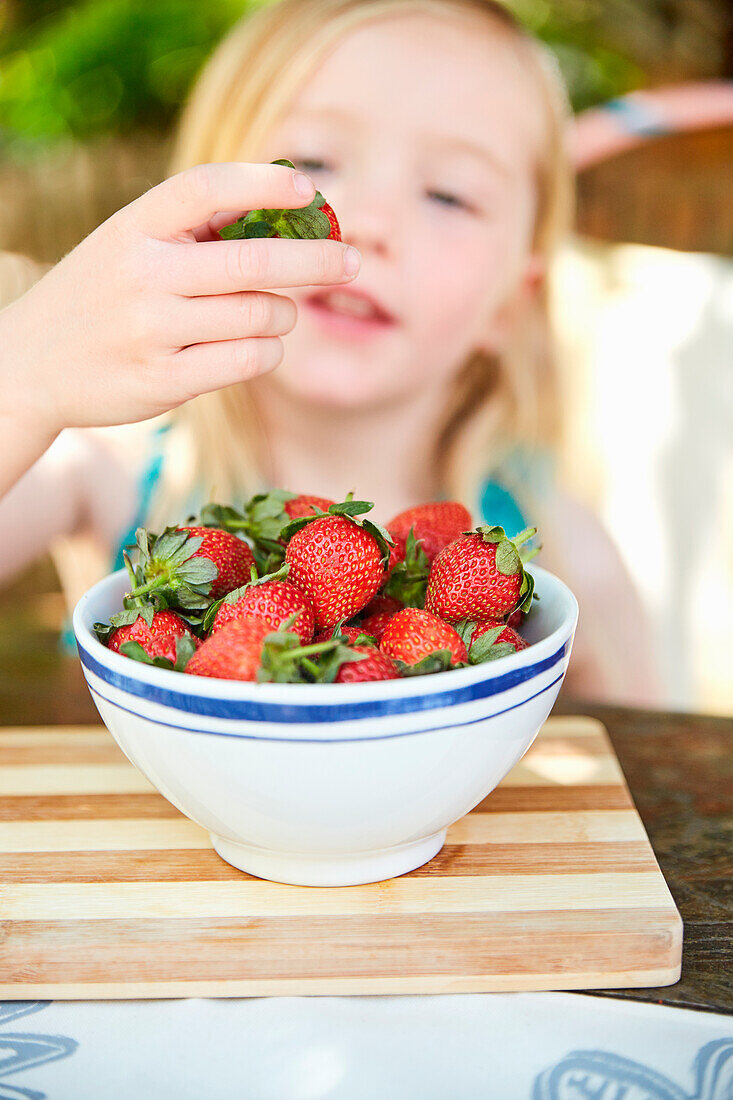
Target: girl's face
<point x="422" y="132"/>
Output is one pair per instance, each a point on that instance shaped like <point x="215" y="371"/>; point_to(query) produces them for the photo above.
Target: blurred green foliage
<point x="83" y="68"/>
<point x="100" y="66"/>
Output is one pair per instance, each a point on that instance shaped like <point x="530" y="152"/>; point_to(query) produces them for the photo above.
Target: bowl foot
<point x="305" y="869"/>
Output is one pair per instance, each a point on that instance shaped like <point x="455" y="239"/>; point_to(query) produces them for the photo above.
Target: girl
<point x="435" y="128"/>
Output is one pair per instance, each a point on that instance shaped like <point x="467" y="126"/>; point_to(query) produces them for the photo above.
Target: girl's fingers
<point x="191" y="198"/>
<point x="209" y="231"/>
<point x="230" y="317"/>
<point x="221" y="267"/>
<point x="202" y="368"/>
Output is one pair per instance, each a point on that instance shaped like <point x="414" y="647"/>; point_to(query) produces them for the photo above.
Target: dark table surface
<point x="679" y="768"/>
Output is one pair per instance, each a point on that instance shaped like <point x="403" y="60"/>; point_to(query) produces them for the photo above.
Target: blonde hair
<point x="498" y="401"/>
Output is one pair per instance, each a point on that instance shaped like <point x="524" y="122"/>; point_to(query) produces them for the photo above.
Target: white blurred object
<point x="648" y="335"/>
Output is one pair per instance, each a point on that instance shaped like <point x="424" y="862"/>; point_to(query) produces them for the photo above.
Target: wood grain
<point x="107" y="891"/>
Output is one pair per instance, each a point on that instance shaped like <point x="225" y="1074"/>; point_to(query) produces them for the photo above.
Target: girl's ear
<point x="505" y="319"/>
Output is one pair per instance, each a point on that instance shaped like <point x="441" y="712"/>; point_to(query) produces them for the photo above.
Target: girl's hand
<point x="152" y="309"/>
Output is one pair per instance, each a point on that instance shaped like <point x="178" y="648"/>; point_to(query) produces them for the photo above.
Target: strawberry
<point x="420" y="642"/>
<point x="507" y="634"/>
<point x="158" y="637"/>
<point x="232" y="653"/>
<point x="262" y="520"/>
<point x="516" y="619"/>
<point x="336" y="561"/>
<point x="480" y="576"/>
<point x="275" y="602"/>
<point x="335" y="234"/>
<point x="433" y="525"/>
<point x="489" y="640"/>
<point x="377" y="614"/>
<point x="307" y="223"/>
<point x="373" y="665"/>
<point x="188" y="567"/>
<point x="247" y="649"/>
<point x="232" y="557"/>
<point x="305" y="505"/>
<point x="350" y="633"/>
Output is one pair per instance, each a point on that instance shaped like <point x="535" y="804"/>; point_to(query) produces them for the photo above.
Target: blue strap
<point x="636" y="117"/>
<point x="500" y="509"/>
<point x="147" y="484"/>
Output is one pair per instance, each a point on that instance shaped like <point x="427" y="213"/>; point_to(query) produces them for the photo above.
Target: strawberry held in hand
<point x="421" y="642"/>
<point x="314" y="222"/>
<point x="337" y="560"/>
<point x="480" y="576"/>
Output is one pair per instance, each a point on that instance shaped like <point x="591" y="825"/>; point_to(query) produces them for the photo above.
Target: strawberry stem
<point x="311" y="666"/>
<point x="524" y="536"/>
<point x="151" y="586"/>
<point x="308" y="650"/>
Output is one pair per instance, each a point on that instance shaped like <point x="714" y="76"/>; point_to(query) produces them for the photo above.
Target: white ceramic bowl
<point x="329" y="784"/>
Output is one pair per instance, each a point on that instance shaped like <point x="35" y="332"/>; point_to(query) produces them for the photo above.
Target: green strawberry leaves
<point x="408" y="581"/>
<point x="262" y="520"/>
<point x="185" y="649"/>
<point x="526" y="592"/>
<point x="307" y="223"/>
<point x="168" y="574"/>
<point x="284" y="660"/>
<point x="486" y="647"/>
<point x="508" y="561"/>
<point x="440" y="660"/>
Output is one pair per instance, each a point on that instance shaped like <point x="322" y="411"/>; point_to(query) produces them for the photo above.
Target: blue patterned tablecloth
<point x="532" y="1046"/>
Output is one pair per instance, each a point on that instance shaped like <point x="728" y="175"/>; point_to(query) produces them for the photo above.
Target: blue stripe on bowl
<point x="97" y="694"/>
<point x="251" y="710"/>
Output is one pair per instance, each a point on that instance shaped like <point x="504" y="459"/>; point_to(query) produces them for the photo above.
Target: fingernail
<point x="352" y="261"/>
<point x="303" y="185"/>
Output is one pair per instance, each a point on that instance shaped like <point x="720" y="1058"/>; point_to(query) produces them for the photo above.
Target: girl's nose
<point x="367" y="231"/>
<point x="368" y="218"/>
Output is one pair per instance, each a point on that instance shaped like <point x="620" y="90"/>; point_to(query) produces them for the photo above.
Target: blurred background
<point x="89" y="90"/>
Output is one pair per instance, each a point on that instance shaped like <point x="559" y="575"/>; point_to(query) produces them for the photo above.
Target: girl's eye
<point x="446" y="198"/>
<point x="310" y="164"/>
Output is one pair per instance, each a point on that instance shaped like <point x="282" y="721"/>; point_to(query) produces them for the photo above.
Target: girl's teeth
<point x="348" y="305"/>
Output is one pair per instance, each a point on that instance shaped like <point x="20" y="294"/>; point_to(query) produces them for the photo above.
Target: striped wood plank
<point x="107" y="891"/>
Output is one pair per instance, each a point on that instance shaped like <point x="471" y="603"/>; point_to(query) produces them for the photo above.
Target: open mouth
<point x="352" y="308"/>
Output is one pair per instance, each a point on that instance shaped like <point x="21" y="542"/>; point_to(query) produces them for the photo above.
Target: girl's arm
<point x="87" y="482"/>
<point x="45" y="503"/>
<point x="613" y="655"/>
<point x="152" y="309"/>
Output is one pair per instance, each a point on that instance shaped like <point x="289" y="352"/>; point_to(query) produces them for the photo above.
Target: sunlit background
<point x="644" y="296"/>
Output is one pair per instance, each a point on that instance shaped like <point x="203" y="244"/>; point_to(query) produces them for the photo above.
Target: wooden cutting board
<point x="106" y="891"/>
